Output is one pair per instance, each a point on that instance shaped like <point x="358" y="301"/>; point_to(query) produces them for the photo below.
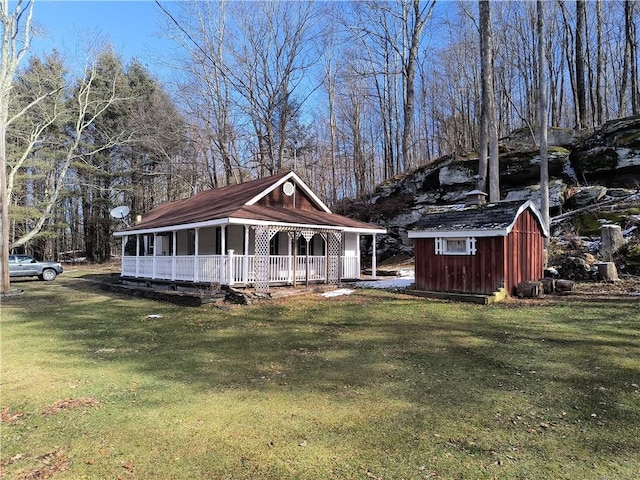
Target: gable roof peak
<point x="289" y="176"/>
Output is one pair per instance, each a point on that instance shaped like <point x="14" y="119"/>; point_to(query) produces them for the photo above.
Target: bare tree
<point x="86" y="107"/>
<point x="542" y="115"/>
<point x="488" y="101"/>
<point x="16" y="38"/>
<point x="414" y="19"/>
<point x="206" y="94"/>
<point x="631" y="53"/>
<point x="581" y="89"/>
<point x="599" y="64"/>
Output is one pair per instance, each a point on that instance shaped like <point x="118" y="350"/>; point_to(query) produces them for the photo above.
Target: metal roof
<point x="238" y="204"/>
<point x="491" y="219"/>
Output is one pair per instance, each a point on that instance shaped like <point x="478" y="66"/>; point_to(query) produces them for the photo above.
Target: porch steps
<point x="480" y="299"/>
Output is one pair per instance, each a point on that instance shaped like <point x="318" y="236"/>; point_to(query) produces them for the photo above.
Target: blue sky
<point x="73" y="26"/>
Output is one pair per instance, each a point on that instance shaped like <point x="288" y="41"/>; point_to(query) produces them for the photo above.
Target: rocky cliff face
<point x="586" y="168"/>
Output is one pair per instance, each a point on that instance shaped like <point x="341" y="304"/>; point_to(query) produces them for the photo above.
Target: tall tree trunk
<point x="542" y="117"/>
<point x="632" y="48"/>
<point x="488" y="101"/>
<point x="569" y="42"/>
<point x="12" y="54"/>
<point x="483" y="159"/>
<point x="599" y="61"/>
<point x="420" y="18"/>
<point x="333" y="131"/>
<point x="581" y="91"/>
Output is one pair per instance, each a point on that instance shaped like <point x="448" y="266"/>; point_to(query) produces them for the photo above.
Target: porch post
<point x="358" y="253"/>
<point x="294" y="268"/>
<point x="374" y="260"/>
<point x="137" y="255"/>
<point x="174" y="252"/>
<point x="155" y="252"/>
<point x="325" y="237"/>
<point x="124" y="242"/>
<point x="306" y="261"/>
<point x="334" y="264"/>
<point x="196" y="249"/>
<point x="223" y="249"/>
<point x="230" y="267"/>
<point x="245" y="273"/>
<point x="263" y="236"/>
<point x="289" y="266"/>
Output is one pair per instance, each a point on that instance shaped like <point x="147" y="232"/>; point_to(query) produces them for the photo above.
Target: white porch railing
<point x="233" y="269"/>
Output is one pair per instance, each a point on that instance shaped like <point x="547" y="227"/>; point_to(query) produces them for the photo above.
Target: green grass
<point x="373" y="385"/>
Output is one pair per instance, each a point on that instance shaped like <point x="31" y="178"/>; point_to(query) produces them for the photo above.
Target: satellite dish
<point x="288" y="188"/>
<point x="120" y="213"/>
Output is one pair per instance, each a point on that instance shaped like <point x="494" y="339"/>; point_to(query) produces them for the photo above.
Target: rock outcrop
<point x="586" y="168"/>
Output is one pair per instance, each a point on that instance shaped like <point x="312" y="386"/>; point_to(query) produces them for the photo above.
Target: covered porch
<point x="256" y="255"/>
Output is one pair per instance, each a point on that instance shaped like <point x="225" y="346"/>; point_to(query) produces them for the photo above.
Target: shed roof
<point x="488" y="220"/>
<point x="238" y="204"/>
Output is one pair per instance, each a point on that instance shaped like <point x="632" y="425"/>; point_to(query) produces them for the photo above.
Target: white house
<point x="270" y="231"/>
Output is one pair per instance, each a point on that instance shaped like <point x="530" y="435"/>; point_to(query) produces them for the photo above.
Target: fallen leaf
<point x="11" y="418"/>
<point x="71" y="403"/>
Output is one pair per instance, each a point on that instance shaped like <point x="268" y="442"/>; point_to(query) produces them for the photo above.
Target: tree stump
<point x="565" y="285"/>
<point x="607" y="272"/>
<point x="548" y="285"/>
<point x="611" y="240"/>
<point x="529" y="289"/>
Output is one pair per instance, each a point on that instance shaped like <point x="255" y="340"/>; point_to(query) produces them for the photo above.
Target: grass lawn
<point x="373" y="386"/>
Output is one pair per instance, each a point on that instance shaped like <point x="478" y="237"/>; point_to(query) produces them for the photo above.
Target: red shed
<point x="479" y="249"/>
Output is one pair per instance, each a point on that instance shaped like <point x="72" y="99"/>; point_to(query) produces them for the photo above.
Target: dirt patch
<point x="70" y="403"/>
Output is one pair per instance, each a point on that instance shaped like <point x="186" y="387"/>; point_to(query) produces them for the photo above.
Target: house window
<point x="456" y="246"/>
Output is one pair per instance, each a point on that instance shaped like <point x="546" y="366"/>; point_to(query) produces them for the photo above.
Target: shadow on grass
<point x="571" y="368"/>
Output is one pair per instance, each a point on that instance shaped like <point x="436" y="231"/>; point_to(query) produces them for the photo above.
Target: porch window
<point x="164" y="244"/>
<point x="302" y="246"/>
<point x="191" y="242"/>
<point x="148" y="244"/>
<point x="130" y="246"/>
<point x="455" y="246"/>
<point x="314" y="247"/>
<point x="274" y="245"/>
<point x="218" y="241"/>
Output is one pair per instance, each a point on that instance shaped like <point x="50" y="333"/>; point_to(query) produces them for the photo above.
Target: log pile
<point x="576" y="268"/>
